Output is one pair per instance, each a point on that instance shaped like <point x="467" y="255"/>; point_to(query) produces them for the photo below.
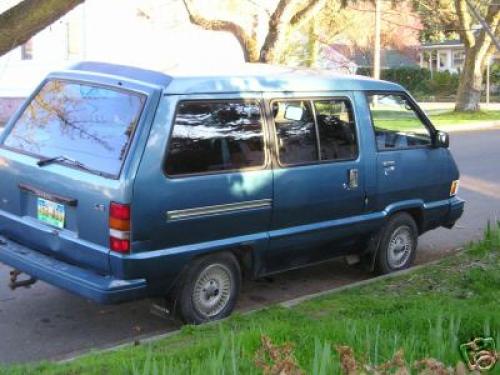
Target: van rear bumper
<point x="455" y="212"/>
<point x="101" y="289"/>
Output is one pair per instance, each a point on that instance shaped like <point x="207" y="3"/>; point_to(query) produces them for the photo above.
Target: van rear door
<point x="61" y="165"/>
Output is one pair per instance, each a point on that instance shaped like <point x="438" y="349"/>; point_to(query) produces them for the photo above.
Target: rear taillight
<point x="454" y="188"/>
<point x="119" y="227"/>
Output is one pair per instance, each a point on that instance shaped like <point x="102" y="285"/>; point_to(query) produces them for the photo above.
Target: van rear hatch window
<point x="83" y="125"/>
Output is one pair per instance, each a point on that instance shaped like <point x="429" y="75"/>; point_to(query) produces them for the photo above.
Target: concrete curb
<point x="357" y="284"/>
<point x="286" y="304"/>
<point x="114" y="347"/>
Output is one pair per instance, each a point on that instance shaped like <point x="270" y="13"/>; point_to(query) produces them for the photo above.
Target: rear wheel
<point x="210" y="289"/>
<point x="398" y="244"/>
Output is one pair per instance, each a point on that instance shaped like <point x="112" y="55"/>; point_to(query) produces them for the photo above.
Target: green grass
<point x="427" y="313"/>
<point x="464" y="117"/>
<point x="405" y="121"/>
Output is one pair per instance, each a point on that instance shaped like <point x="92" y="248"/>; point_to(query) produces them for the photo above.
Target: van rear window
<point x="92" y="125"/>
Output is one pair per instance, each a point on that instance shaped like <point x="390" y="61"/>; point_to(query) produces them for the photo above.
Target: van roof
<point x="242" y="78"/>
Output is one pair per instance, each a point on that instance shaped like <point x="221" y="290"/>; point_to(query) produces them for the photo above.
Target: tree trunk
<point x="479" y="48"/>
<point x="19" y="23"/>
<point x="471" y="82"/>
<point x="279" y="22"/>
<point x="313" y="45"/>
<point x="247" y="41"/>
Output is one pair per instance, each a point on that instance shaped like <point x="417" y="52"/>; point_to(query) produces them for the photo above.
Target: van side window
<point x="396" y="124"/>
<point x="210" y="136"/>
<point x="295" y="131"/>
<point x="336" y="128"/>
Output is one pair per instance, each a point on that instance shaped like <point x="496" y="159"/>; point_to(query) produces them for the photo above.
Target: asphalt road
<point x="44" y="322"/>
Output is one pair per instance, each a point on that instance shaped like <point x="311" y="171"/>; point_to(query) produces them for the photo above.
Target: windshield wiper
<point x="66" y="160"/>
<point x="47" y="161"/>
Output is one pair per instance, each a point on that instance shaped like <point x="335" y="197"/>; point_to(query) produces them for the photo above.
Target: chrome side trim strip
<point x="196" y="212"/>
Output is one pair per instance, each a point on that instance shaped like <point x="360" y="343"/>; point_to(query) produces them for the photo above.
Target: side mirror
<point x="442" y="139"/>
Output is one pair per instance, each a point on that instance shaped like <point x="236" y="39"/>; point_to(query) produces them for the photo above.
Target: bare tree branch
<point x="247" y="43"/>
<point x="275" y="32"/>
<point x="19" y="23"/>
<point x="484" y="41"/>
<point x="305" y="13"/>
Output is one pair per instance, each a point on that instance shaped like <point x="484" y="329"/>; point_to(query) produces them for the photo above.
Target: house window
<point x="443" y="61"/>
<point x="458" y="59"/>
<point x="74" y="37"/>
<point x="27" y="50"/>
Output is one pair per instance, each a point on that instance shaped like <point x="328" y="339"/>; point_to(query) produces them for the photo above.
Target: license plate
<point x="51" y="213"/>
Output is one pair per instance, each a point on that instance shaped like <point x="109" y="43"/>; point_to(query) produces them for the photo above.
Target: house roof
<point x="388" y="59"/>
<point x="445" y="44"/>
<point x="243" y="78"/>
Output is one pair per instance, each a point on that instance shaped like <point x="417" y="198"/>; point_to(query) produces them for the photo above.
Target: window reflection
<point x="337" y="130"/>
<point x="295" y="131"/>
<point x="87" y="123"/>
<point x="215" y="136"/>
<point x="396" y="124"/>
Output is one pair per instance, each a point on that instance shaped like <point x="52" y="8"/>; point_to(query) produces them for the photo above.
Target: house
<point x="442" y="56"/>
<point x="355" y="58"/>
<point x="445" y="56"/>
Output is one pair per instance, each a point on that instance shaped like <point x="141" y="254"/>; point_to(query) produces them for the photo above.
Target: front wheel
<point x="210" y="289"/>
<point x="398" y="244"/>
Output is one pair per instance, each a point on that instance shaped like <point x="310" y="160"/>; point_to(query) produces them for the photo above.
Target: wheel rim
<point x="212" y="290"/>
<point x="400" y="247"/>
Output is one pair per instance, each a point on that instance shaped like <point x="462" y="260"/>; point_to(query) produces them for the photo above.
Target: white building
<point x="445" y="56"/>
<point x="146" y="33"/>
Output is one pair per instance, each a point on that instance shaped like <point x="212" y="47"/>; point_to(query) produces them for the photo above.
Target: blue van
<point x="118" y="183"/>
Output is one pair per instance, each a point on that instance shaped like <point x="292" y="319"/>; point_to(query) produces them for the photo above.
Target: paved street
<point x="45" y="322"/>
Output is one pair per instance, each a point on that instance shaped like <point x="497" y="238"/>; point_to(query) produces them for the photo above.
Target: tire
<point x="398" y="244"/>
<point x="210" y="289"/>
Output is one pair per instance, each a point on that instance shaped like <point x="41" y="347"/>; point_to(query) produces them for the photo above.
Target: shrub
<point x="441" y="84"/>
<point x="420" y="81"/>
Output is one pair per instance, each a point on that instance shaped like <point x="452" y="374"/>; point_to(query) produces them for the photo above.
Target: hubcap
<point x="400" y="247"/>
<point x="212" y="290"/>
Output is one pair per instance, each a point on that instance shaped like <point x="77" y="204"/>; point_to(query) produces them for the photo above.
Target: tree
<point x="439" y="19"/>
<point x="479" y="48"/>
<point x="287" y="14"/>
<point x="20" y="22"/>
<point x="348" y="29"/>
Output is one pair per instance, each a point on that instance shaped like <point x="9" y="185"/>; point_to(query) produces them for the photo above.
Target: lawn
<point x="406" y="121"/>
<point x="450" y="118"/>
<point x="397" y="321"/>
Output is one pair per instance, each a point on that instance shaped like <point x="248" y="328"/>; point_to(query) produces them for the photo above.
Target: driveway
<point x="44" y="322"/>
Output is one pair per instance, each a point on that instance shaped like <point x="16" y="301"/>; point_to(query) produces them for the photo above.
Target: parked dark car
<point x="118" y="183"/>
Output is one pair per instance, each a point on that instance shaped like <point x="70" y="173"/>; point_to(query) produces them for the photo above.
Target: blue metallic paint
<point x="162" y="249"/>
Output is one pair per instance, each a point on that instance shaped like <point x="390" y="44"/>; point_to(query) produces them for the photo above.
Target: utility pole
<point x="376" y="49"/>
<point x="488" y="63"/>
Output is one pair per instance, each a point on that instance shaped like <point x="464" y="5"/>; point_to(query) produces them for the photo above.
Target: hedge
<point x="419" y="81"/>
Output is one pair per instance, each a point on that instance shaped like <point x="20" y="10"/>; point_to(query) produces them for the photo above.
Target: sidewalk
<point x="450" y="106"/>
<point x="472" y="126"/>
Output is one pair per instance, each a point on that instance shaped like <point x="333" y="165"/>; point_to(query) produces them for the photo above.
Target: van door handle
<point x="389" y="167"/>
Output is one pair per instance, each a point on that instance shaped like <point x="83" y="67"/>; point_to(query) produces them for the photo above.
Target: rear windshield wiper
<point x="66" y="160"/>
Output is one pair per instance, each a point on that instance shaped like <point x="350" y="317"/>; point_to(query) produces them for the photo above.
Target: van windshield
<point x="90" y="124"/>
